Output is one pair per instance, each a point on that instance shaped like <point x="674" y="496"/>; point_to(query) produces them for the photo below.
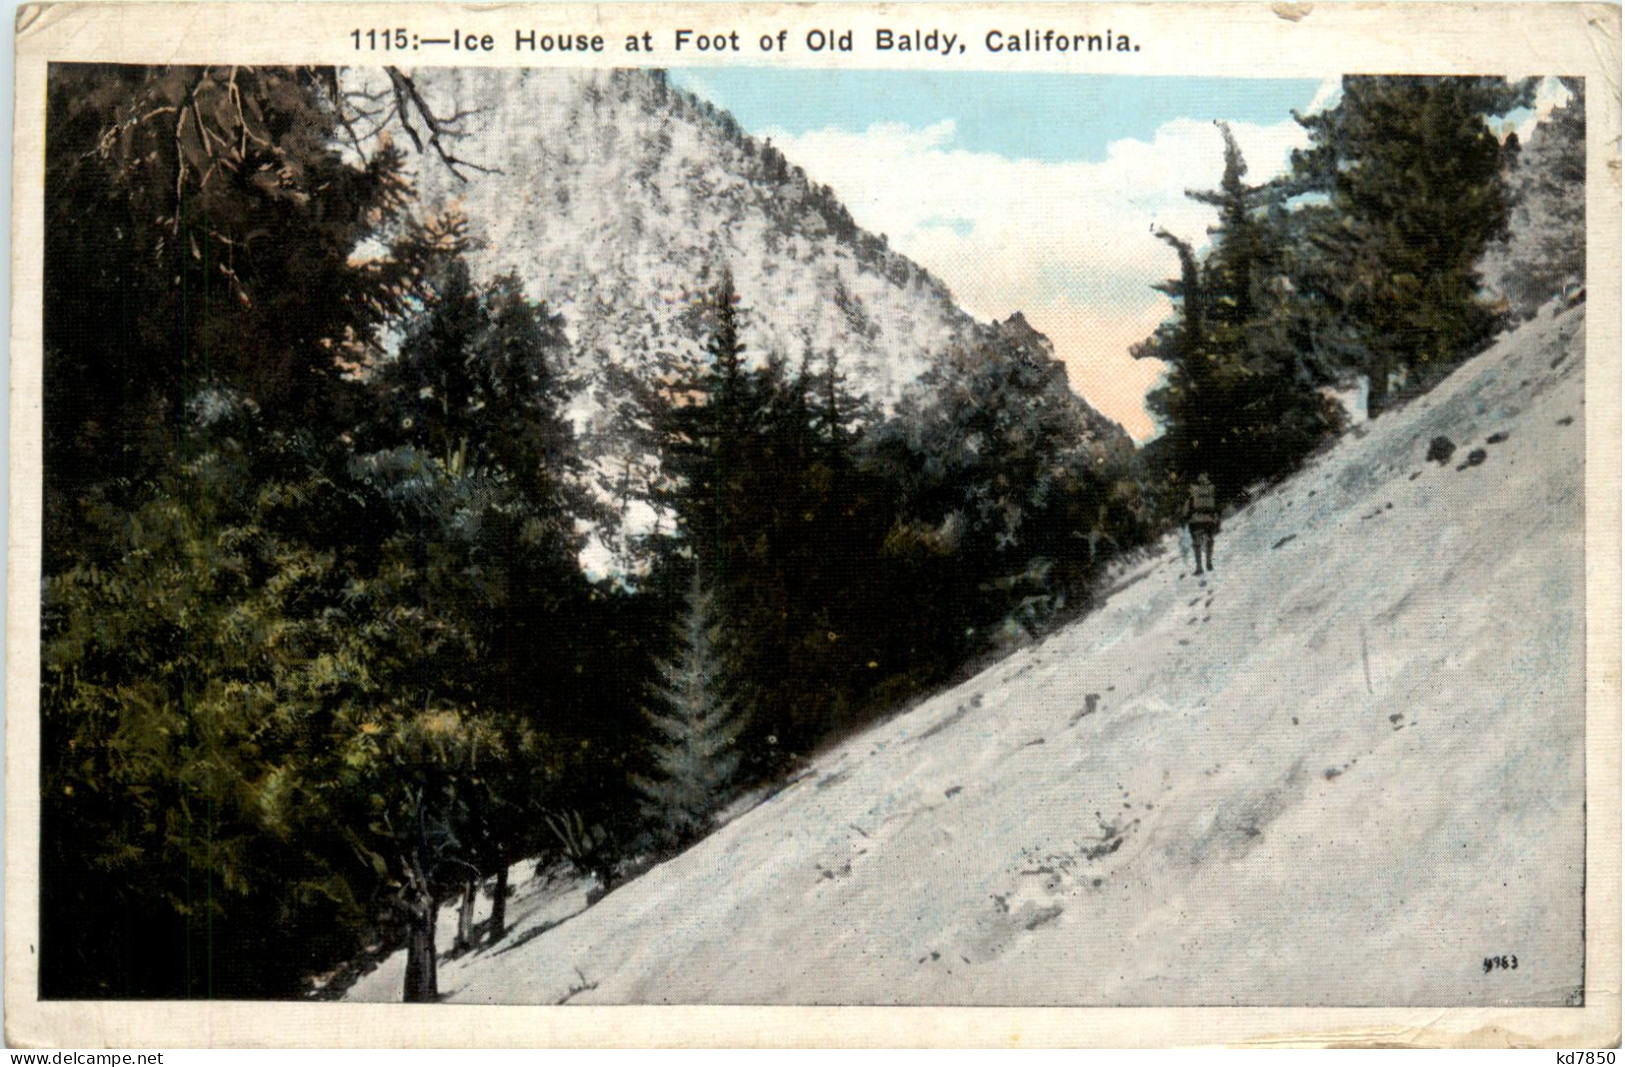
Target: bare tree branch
<point x="409" y="100"/>
<point x="184" y="108"/>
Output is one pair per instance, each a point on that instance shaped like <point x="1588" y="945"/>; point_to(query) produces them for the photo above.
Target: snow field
<point x="1342" y="771"/>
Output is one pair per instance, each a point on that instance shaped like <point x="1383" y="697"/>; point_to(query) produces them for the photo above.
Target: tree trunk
<point x="1377" y="393"/>
<point x="465" y="916"/>
<point x="421" y="984"/>
<point x="499" y="905"/>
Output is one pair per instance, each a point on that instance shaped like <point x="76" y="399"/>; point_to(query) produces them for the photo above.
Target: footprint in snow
<point x="832" y="873"/>
<point x="1090" y="702"/>
<point x="1043" y="916"/>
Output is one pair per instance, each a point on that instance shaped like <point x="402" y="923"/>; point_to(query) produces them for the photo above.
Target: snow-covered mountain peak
<point x="619" y="201"/>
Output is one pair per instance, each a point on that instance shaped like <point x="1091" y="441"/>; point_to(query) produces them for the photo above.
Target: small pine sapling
<point x="695" y="728"/>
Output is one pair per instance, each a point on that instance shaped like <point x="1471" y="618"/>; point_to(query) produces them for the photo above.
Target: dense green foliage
<point x="199" y="523"/>
<point x="1364" y="259"/>
<point x="1412" y="177"/>
<point x="1242" y="398"/>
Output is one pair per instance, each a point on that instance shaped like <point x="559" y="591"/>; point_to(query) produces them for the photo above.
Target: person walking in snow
<point x="1202" y="516"/>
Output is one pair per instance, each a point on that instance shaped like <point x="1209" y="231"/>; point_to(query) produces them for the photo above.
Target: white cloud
<point x="1070" y="244"/>
<point x="1328" y="96"/>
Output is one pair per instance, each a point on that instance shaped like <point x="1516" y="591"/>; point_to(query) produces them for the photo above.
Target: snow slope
<point x="619" y="200"/>
<point x="1343" y="771"/>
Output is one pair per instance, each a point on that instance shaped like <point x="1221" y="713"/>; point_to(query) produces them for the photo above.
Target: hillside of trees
<point x="1389" y="252"/>
<point x="621" y="199"/>
<point x="318" y="652"/>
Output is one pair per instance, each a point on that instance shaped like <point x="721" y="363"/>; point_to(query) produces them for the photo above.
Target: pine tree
<point x="1189" y="402"/>
<point x="472" y="460"/>
<point x="1241" y="400"/>
<point x="694" y="729"/>
<point x="703" y="423"/>
<point x="204" y="314"/>
<point x="1413" y="179"/>
<point x="294" y="591"/>
<point x="200" y="227"/>
<point x="986" y="460"/>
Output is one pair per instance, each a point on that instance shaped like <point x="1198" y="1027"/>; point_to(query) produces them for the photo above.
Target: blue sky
<point x="1048" y="117"/>
<point x="1036" y="193"/>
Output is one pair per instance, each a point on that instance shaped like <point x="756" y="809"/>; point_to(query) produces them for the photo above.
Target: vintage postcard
<point x="814" y="524"/>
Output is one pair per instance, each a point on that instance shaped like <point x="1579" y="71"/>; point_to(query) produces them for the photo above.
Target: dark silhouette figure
<point x="1202" y="515"/>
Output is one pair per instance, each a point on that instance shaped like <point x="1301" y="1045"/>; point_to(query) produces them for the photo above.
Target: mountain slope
<point x="1344" y="771"/>
<point x="620" y="201"/>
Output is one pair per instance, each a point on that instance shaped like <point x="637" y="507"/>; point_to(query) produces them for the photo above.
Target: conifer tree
<point x="694" y="730"/>
<point x="204" y="316"/>
<point x="703" y="423"/>
<point x="1241" y="399"/>
<point x="473" y="461"/>
<point x="294" y="590"/>
<point x="1412" y="174"/>
<point x="986" y="461"/>
<point x="200" y="229"/>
